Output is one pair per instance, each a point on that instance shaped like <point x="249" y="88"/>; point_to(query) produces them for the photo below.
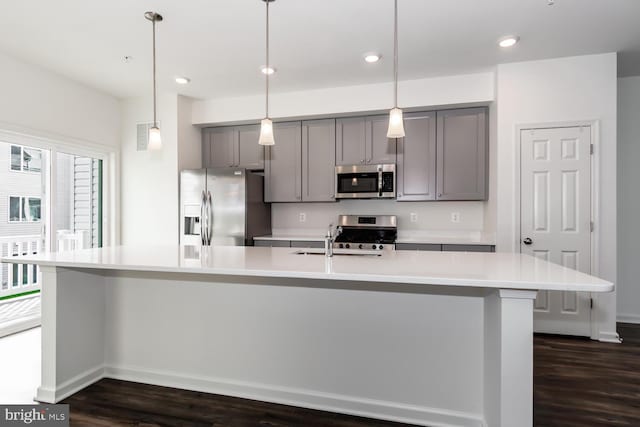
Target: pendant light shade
<point x="396" y="123"/>
<point x="266" y="126"/>
<point x="266" y="132"/>
<point x="155" y="140"/>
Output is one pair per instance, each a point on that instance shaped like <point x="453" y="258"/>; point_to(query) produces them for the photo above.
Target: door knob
<point x="527" y="241"/>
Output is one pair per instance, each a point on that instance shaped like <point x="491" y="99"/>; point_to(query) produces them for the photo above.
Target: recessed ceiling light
<point x="508" y="41"/>
<point x="372" y="57"/>
<point x="182" y="80"/>
<point x="267" y="70"/>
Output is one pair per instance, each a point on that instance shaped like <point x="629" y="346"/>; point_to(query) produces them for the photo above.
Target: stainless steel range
<point x="370" y="232"/>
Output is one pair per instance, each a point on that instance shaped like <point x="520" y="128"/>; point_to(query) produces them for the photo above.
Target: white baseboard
<point x="70" y="387"/>
<point x="369" y="408"/>
<point x="628" y="318"/>
<point x="19" y="325"/>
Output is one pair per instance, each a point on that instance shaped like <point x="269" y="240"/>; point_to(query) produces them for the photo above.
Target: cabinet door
<point x="318" y="160"/>
<point x="250" y="154"/>
<point x="283" y="163"/>
<point x="462" y="154"/>
<point x="416" y="167"/>
<point x="379" y="148"/>
<point x="351" y="139"/>
<point x="219" y="147"/>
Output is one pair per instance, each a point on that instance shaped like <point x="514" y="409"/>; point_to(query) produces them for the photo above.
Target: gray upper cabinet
<point x="379" y="148"/>
<point x="363" y="140"/>
<point x="462" y="154"/>
<point x="233" y="146"/>
<point x="318" y="160"/>
<point x="416" y="167"/>
<point x="283" y="164"/>
<point x="351" y="140"/>
<point x="250" y="153"/>
<point x="218" y="145"/>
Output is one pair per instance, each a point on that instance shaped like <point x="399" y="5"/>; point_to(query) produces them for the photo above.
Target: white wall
<point x="40" y="102"/>
<point x="470" y="88"/>
<point x="149" y="179"/>
<point x="628" y="201"/>
<point x="150" y="200"/>
<point x="551" y="91"/>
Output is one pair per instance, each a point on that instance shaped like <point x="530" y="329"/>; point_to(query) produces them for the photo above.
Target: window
<point x="26" y="159"/>
<point x="24" y="209"/>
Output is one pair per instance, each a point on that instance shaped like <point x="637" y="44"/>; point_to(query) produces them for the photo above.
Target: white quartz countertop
<point x="486" y="270"/>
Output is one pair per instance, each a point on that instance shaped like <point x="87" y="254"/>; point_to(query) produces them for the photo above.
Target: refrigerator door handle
<point x="203" y="227"/>
<point x="210" y="218"/>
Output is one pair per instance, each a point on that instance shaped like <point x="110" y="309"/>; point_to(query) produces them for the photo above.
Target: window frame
<point x="22" y="169"/>
<point x="23" y="203"/>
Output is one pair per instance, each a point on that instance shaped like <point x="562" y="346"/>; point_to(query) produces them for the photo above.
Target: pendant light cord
<point x="155" y="122"/>
<point x="395" y="54"/>
<point x="267" y="65"/>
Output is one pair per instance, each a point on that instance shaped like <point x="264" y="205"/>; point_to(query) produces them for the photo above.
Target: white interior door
<point x="555" y="210"/>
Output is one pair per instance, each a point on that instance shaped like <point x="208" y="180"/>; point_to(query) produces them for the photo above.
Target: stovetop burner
<point x="377" y="232"/>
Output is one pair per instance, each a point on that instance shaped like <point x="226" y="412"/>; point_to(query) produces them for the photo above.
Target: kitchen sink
<point x="338" y="252"/>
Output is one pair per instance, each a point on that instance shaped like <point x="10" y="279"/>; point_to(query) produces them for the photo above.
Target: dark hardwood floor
<point x="577" y="382"/>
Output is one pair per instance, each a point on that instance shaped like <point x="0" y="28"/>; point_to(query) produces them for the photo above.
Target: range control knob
<point x="347" y="246"/>
<point x="341" y="246"/>
<point x="380" y="247"/>
<point x="360" y="246"/>
<point x="373" y="246"/>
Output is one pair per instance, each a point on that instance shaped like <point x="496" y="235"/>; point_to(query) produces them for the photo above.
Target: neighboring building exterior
<point x="22" y="197"/>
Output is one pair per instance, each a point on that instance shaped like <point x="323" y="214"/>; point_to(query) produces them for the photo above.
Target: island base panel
<point x="424" y="358"/>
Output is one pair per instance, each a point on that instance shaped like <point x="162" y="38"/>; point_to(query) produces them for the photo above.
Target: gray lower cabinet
<point x="462" y="143"/>
<point x="416" y="165"/>
<point x="307" y="244"/>
<point x="272" y="243"/>
<point x="447" y="247"/>
<point x="232" y="146"/>
<point x="318" y="160"/>
<point x="283" y="164"/>
<point x="418" y="247"/>
<point x="469" y="248"/>
<point x="363" y="140"/>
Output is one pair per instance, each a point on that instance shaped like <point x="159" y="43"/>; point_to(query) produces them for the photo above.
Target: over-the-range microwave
<point x="366" y="181"/>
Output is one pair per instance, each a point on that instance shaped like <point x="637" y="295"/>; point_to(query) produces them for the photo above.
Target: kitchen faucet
<point x="330" y="238"/>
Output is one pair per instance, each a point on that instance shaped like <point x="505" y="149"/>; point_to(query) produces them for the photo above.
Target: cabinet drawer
<point x="469" y="248"/>
<point x="418" y="247"/>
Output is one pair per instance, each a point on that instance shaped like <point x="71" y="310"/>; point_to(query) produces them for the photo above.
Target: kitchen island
<point x="432" y="338"/>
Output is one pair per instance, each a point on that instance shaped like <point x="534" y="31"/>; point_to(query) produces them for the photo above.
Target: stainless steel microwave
<point x="366" y="181"/>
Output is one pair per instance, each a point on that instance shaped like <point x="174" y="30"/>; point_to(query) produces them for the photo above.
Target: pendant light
<point x="396" y="123"/>
<point x="155" y="140"/>
<point x="266" y="126"/>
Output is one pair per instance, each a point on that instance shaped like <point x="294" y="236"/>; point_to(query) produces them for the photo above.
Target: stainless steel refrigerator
<point x="222" y="206"/>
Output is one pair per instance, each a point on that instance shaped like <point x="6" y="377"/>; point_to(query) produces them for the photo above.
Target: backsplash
<point x="428" y="216"/>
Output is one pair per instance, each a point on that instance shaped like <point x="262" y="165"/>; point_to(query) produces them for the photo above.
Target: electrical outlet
<point x="302" y="217"/>
<point x="413" y="217"/>
<point x="455" y="217"/>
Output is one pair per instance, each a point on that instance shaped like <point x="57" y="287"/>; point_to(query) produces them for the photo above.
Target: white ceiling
<point x="219" y="44"/>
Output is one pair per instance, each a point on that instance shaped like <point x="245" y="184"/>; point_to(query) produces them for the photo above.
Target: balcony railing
<point x="21" y="278"/>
